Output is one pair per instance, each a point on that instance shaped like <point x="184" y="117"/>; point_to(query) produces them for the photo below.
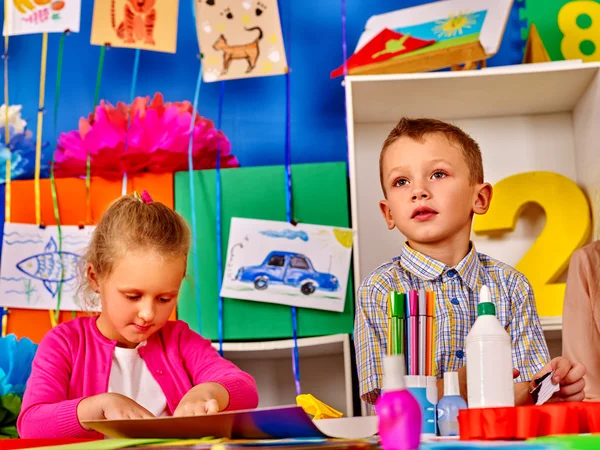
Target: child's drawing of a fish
<point x="48" y="267"/>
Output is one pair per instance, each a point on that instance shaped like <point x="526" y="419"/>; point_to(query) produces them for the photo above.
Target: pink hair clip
<point x="146" y="198"/>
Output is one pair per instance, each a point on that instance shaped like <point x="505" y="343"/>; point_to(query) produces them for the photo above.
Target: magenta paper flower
<point x="157" y="141"/>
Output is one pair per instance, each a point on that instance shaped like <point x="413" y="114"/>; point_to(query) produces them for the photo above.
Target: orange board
<point x="34" y="324"/>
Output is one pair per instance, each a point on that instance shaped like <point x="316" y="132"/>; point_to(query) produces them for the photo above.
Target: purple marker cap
<point x="413" y="302"/>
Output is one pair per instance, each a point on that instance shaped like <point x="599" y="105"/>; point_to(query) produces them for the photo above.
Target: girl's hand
<point x="206" y="398"/>
<point x="117" y="406"/>
<point x="110" y="406"/>
<point x="196" y="407"/>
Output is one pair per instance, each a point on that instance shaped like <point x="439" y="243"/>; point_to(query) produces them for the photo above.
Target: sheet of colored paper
<point x="146" y="24"/>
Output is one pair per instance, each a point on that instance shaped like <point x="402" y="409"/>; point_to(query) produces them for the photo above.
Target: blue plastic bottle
<point x="449" y="405"/>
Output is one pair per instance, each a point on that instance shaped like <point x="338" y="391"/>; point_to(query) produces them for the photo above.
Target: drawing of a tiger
<point x="138" y="24"/>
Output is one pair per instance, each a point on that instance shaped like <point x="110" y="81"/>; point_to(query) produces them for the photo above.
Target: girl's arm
<point x="206" y="366"/>
<point x="580" y="335"/>
<point x="47" y="412"/>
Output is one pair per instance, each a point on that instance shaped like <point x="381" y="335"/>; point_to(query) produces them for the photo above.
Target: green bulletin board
<point x="320" y="196"/>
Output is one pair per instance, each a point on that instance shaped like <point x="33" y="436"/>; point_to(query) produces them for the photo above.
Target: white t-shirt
<point x="129" y="376"/>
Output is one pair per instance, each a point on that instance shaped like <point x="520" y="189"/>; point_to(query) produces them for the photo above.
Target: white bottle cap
<point x="451" y="383"/>
<point x="393" y="373"/>
<point x="484" y="294"/>
<point x="485" y="306"/>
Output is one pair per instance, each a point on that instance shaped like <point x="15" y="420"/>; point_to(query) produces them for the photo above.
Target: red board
<point x="526" y="422"/>
<point x="386" y="45"/>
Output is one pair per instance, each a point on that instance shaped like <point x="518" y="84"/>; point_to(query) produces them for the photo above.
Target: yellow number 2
<point x="568" y="225"/>
<point x="579" y="22"/>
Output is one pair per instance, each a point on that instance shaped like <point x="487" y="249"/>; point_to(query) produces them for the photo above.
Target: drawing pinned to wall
<point x="32" y="266"/>
<point x="41" y="16"/>
<point x="143" y="24"/>
<point x="276" y="262"/>
<point x="240" y="39"/>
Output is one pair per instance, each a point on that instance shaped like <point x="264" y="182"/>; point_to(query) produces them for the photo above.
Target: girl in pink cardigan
<point x="130" y="361"/>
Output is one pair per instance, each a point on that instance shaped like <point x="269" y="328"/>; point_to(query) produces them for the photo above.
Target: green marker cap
<point x="397" y="302"/>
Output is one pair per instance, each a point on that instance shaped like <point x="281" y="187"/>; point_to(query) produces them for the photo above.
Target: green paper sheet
<point x="107" y="444"/>
<point x="579" y="442"/>
<point x="320" y="196"/>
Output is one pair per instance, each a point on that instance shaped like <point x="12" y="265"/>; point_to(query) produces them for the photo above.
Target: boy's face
<point x="429" y="195"/>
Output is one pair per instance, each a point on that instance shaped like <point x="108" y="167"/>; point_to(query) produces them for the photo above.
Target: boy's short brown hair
<point x="416" y="129"/>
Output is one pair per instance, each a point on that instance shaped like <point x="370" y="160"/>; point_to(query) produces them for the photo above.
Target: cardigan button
<point x="159" y="372"/>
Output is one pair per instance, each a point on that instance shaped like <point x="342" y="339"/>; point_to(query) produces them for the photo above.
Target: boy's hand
<point x="569" y="376"/>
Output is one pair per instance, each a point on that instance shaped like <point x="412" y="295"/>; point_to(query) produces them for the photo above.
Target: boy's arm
<point x="529" y="349"/>
<point x="370" y="336"/>
<point x="522" y="388"/>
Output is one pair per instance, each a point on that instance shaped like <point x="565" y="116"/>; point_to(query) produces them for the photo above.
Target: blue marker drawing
<point x="287" y="234"/>
<point x="48" y="267"/>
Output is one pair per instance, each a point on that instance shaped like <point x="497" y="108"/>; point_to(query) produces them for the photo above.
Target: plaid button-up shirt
<point x="457" y="294"/>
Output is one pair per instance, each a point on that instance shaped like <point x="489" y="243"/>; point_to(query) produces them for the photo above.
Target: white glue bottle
<point x="489" y="359"/>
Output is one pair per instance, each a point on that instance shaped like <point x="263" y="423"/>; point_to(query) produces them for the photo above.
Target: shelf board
<point x="551" y="323"/>
<point x="491" y="92"/>
<point x="313" y="346"/>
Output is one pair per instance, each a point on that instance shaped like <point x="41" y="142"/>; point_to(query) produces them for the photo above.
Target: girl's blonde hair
<point x="131" y="223"/>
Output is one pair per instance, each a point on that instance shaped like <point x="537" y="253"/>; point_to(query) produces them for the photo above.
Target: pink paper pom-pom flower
<point x="157" y="141"/>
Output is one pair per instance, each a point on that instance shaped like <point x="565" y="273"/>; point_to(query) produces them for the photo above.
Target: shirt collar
<point x="429" y="269"/>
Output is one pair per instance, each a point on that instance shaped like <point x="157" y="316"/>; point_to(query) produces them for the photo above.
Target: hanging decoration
<point x="141" y="24"/>
<point x="240" y="39"/>
<point x="156" y="141"/>
<point x="41" y="16"/>
<point x="20" y="148"/>
<point x="298" y="265"/>
<point x="16" y="357"/>
<point x="34" y="268"/>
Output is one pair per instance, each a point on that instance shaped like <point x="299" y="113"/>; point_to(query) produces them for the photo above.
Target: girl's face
<point x="138" y="296"/>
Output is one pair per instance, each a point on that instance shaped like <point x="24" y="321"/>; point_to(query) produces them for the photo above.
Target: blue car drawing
<point x="291" y="269"/>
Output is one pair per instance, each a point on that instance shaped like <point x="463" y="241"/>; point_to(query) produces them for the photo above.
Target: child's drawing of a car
<point x="292" y="269"/>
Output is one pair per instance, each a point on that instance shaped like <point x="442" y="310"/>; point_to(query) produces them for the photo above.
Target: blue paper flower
<point x="16" y="357"/>
<point x="22" y="156"/>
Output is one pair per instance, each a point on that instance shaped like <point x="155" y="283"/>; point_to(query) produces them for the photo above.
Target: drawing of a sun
<point x="455" y="24"/>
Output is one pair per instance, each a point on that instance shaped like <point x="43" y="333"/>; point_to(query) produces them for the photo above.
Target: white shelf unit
<point x="525" y="118"/>
<point x="325" y="369"/>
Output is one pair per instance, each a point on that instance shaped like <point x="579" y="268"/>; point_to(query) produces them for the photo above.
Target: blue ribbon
<point x="193" y="199"/>
<point x="136" y="66"/>
<point x="218" y="218"/>
<point x="290" y="204"/>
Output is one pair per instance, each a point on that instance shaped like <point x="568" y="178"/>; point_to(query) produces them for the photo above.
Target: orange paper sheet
<point x="71" y="199"/>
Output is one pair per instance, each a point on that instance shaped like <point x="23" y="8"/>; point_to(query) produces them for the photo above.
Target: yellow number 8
<point x="579" y="22"/>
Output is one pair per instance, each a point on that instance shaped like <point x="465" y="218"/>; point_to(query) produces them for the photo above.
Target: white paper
<point x="547" y="390"/>
<point x="32" y="266"/>
<point x="349" y="427"/>
<point x="41" y="16"/>
<point x="276" y="262"/>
